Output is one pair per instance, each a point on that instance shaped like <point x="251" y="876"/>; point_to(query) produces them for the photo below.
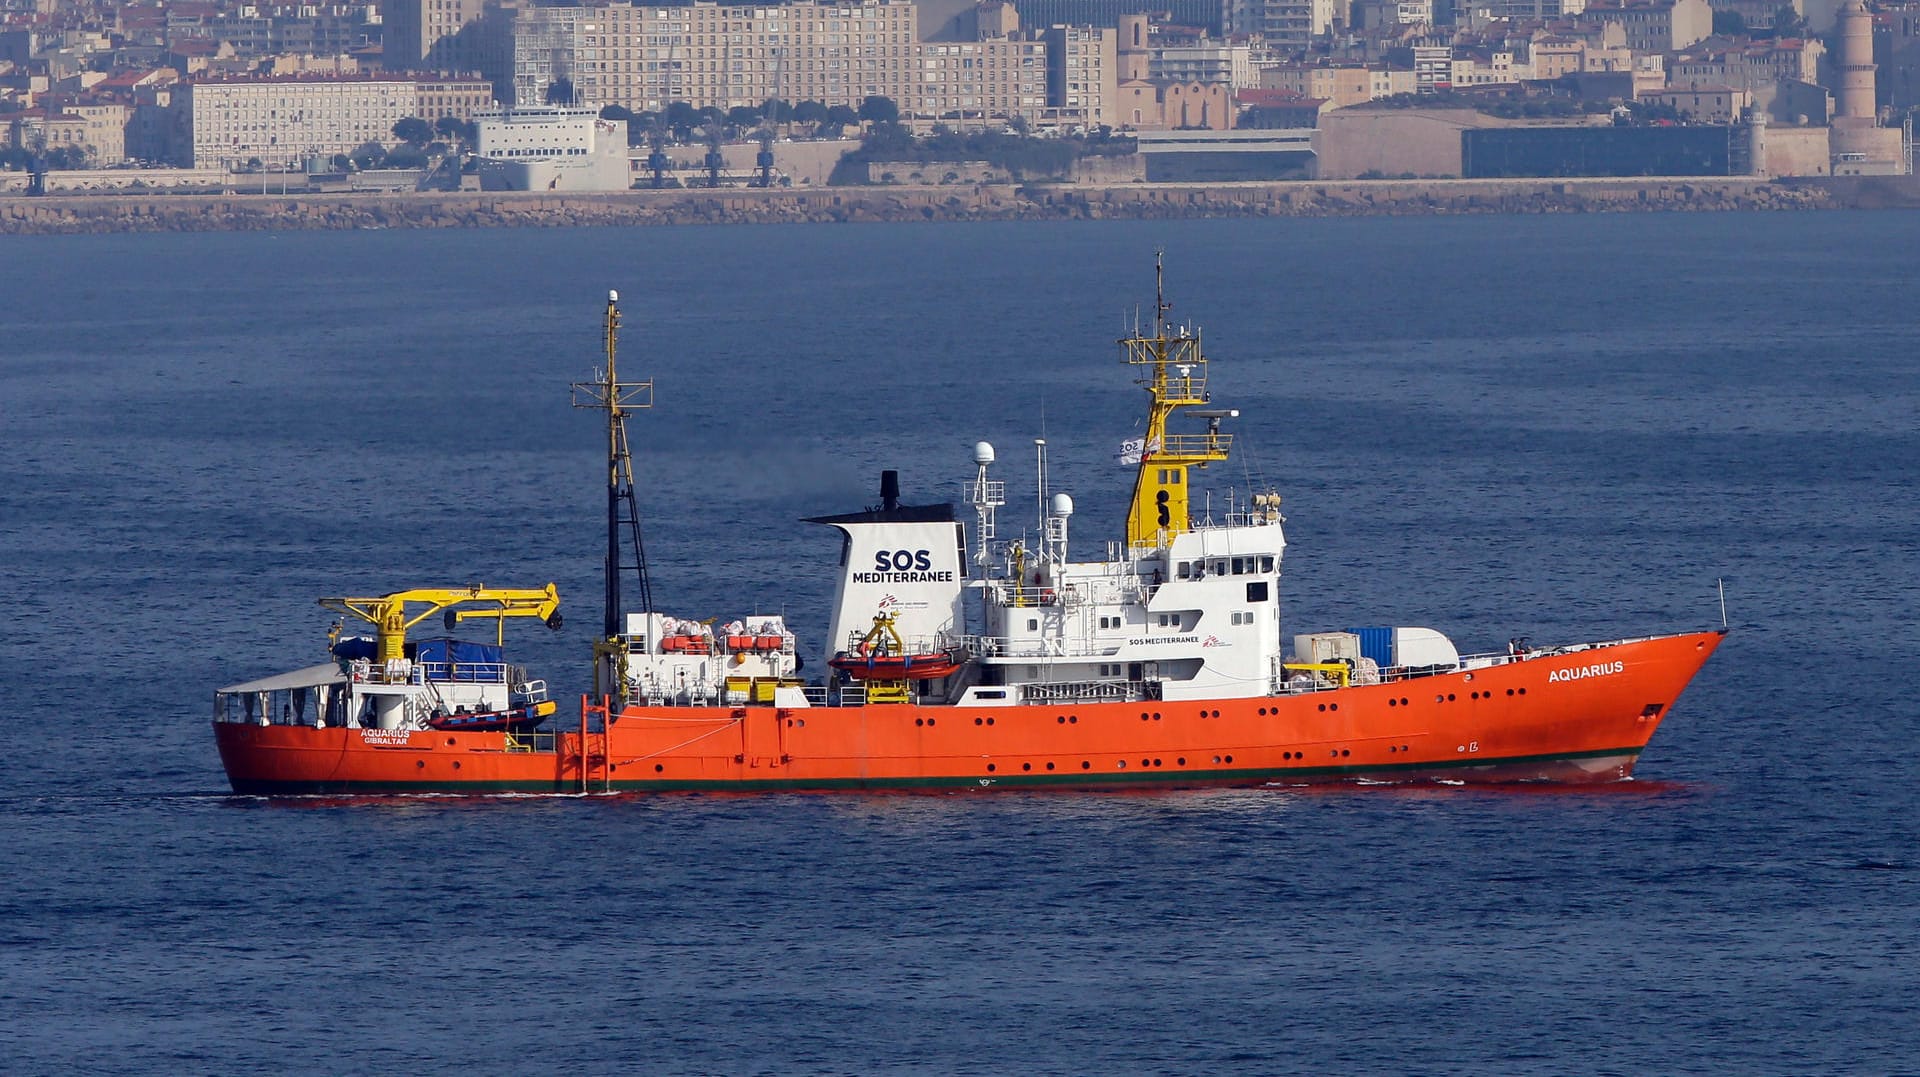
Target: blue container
<point x="1376" y="643"/>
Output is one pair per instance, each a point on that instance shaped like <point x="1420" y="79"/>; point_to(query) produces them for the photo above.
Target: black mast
<point x="610" y="395"/>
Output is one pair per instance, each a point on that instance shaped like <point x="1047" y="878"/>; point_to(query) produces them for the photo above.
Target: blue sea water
<point x="1566" y="428"/>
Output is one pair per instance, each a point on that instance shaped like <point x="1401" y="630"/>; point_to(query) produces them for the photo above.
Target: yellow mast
<point x="1174" y="374"/>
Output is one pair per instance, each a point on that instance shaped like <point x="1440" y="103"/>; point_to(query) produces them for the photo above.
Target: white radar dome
<point x="1062" y="505"/>
<point x="982" y="453"/>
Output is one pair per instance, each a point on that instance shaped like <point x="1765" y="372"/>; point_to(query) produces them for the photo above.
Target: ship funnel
<point x="889" y="490"/>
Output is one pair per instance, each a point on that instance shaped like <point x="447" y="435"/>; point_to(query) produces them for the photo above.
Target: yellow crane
<point x="391" y="618"/>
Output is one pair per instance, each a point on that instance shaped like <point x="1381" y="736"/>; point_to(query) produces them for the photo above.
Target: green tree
<point x="842" y="115"/>
<point x="368" y="155"/>
<point x="777" y="111"/>
<point x="465" y="132"/>
<point x="877" y="109"/>
<point x="413" y="131"/>
<point x="743" y="116"/>
<point x="681" y="119"/>
<point x="1729" y="23"/>
<point x="1789" y="23"/>
<point x="813" y="112"/>
<point x="406" y="156"/>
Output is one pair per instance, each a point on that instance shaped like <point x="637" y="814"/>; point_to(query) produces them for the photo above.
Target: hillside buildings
<point x="223" y="83"/>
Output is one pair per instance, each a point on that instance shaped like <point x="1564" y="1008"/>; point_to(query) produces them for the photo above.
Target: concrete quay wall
<point x="272" y="212"/>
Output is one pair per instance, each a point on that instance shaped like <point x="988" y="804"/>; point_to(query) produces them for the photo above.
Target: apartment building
<point x="99" y="130"/>
<point x="459" y="98"/>
<point x="1655" y="25"/>
<point x="1082" y="71"/>
<point x="280" y="122"/>
<point x="709" y="55"/>
<point x="705" y="54"/>
<point x="434" y="35"/>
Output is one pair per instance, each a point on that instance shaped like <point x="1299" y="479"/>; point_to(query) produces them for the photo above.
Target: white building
<point x="1207" y="62"/>
<point x="551" y="148"/>
<point x="281" y="122"/>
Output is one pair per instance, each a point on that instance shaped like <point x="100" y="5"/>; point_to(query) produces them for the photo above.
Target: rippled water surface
<point x="1563" y="428"/>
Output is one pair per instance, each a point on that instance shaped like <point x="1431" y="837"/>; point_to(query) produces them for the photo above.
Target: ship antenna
<point x="1040" y="486"/>
<point x="1723" y="601"/>
<point x="1160" y="304"/>
<point x="611" y="395"/>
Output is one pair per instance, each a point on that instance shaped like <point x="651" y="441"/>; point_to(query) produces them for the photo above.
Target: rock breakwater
<point x="101" y="214"/>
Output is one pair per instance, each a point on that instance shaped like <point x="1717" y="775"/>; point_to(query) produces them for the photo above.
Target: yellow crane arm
<point x="391" y="619"/>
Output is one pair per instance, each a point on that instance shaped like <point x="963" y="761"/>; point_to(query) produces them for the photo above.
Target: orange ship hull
<point x="1580" y="717"/>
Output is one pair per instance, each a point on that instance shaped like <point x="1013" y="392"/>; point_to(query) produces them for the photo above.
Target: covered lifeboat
<point x="881" y="655"/>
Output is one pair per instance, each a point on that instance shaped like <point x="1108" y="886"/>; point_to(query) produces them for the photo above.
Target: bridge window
<point x="1257" y="591"/>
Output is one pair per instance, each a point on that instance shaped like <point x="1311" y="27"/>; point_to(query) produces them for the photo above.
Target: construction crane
<point x="391" y="618"/>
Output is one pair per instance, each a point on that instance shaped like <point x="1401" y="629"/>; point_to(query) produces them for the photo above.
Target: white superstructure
<point x="550" y="148"/>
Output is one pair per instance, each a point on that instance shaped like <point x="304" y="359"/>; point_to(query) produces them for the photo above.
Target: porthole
<point x="1122" y="764"/>
<point x="979" y="721"/>
<point x="1084" y="765"/>
<point x="1229" y="759"/>
<point x="1156" y="716"/>
<point x="1026" y="766"/>
<point x="659" y="768"/>
<point x="1049" y="766"/>
<point x="991" y="768"/>
<point x="989" y="721"/>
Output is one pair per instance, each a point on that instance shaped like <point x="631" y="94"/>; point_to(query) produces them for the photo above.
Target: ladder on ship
<point x="594" y="758"/>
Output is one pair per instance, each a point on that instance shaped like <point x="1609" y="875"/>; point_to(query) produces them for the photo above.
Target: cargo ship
<point x="961" y="660"/>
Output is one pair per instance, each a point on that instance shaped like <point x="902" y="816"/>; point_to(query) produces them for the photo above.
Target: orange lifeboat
<point x="881" y="655"/>
<point x="898" y="667"/>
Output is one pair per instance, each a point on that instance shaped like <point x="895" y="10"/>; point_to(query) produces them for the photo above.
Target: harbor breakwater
<point x="282" y="212"/>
